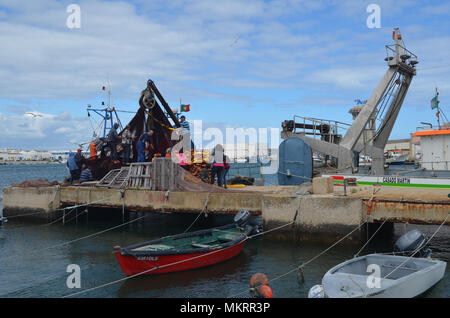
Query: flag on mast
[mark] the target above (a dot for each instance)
(185, 108)
(434, 103)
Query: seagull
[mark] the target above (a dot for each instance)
(33, 114)
(235, 41)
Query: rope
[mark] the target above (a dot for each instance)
(205, 207)
(72, 208)
(84, 237)
(150, 270)
(357, 254)
(89, 203)
(160, 123)
(174, 263)
(306, 263)
(418, 249)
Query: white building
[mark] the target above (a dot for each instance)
(435, 148)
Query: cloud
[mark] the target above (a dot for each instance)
(238, 53)
(43, 131)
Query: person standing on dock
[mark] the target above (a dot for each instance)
(74, 169)
(226, 167)
(144, 143)
(218, 166)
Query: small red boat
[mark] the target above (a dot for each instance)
(188, 250)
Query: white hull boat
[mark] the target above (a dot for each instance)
(385, 275)
(398, 277)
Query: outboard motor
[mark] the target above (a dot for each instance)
(411, 241)
(241, 218)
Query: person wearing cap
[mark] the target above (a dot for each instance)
(79, 158)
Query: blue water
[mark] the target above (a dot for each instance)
(32, 267)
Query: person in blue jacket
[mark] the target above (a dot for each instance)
(144, 143)
(74, 169)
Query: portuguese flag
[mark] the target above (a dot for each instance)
(185, 108)
(434, 103)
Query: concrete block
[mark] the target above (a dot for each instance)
(322, 185)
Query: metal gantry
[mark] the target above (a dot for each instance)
(384, 103)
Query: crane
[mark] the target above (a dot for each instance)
(384, 104)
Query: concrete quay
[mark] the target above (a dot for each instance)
(329, 214)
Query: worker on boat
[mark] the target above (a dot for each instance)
(86, 175)
(218, 158)
(184, 123)
(144, 143)
(93, 147)
(126, 144)
(113, 136)
(186, 130)
(74, 169)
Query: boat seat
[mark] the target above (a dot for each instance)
(227, 237)
(204, 245)
(155, 247)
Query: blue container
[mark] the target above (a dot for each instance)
(295, 162)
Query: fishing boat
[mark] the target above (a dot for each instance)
(188, 250)
(385, 276)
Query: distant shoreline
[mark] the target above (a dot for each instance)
(28, 162)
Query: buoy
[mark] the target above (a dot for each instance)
(265, 291)
(258, 279)
(316, 291)
(259, 287)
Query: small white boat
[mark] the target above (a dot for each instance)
(383, 275)
(3, 220)
(398, 277)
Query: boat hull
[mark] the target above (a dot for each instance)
(349, 279)
(151, 265)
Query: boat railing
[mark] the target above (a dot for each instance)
(325, 129)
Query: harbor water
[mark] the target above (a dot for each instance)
(34, 258)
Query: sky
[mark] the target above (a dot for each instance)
(237, 63)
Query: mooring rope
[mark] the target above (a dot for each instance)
(182, 261)
(79, 239)
(61, 209)
(298, 268)
(205, 208)
(167, 265)
(367, 242)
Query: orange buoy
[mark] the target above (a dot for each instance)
(259, 286)
(265, 291)
(258, 279)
